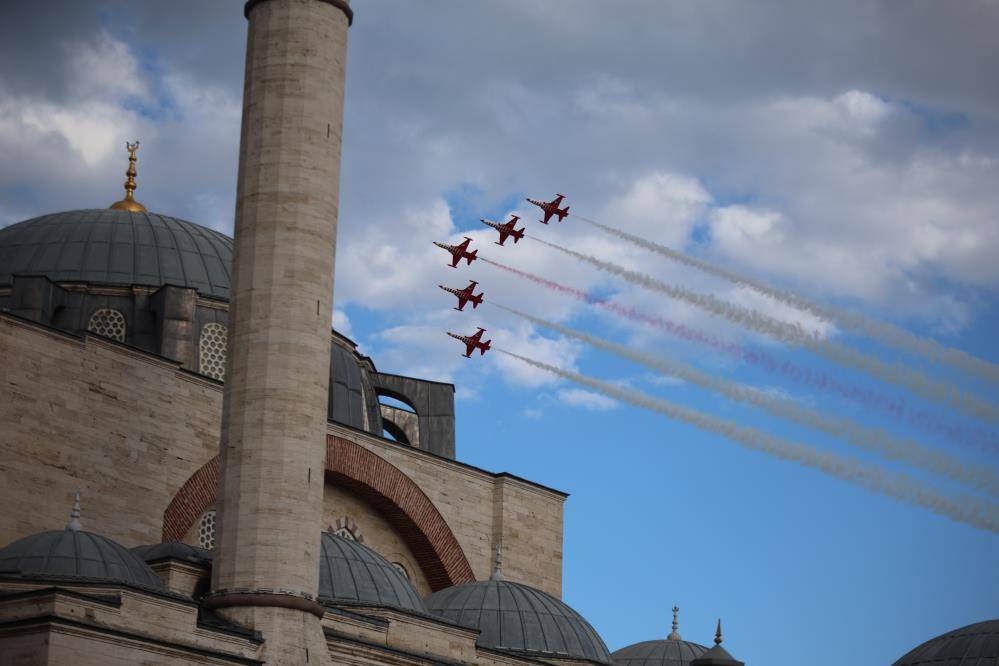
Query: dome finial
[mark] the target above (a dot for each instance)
(74, 515)
(675, 634)
(718, 636)
(129, 203)
(498, 568)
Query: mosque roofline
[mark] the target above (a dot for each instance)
(419, 379)
(52, 618)
(346, 638)
(86, 335)
(178, 367)
(153, 288)
(113, 600)
(407, 447)
(90, 581)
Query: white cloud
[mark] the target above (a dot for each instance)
(660, 206)
(594, 402)
(341, 322)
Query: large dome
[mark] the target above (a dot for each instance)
(350, 573)
(78, 555)
(118, 247)
(974, 645)
(659, 653)
(519, 618)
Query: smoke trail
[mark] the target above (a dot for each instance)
(969, 510)
(892, 448)
(793, 334)
(817, 380)
(885, 333)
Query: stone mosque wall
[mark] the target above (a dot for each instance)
(129, 428)
(124, 426)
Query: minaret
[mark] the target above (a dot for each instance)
(266, 569)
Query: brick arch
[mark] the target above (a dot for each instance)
(405, 506)
(197, 493)
(383, 485)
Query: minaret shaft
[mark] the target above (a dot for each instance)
(265, 572)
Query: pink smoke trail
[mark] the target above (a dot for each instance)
(815, 379)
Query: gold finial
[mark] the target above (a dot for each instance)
(718, 638)
(675, 634)
(129, 203)
(74, 515)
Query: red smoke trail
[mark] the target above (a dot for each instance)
(897, 408)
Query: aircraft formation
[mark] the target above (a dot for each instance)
(461, 251)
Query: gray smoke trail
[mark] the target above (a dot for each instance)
(890, 447)
(793, 334)
(969, 510)
(883, 332)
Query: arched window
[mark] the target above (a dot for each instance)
(109, 323)
(401, 569)
(211, 350)
(206, 530)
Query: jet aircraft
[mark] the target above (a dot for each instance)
(459, 252)
(473, 342)
(551, 208)
(466, 295)
(506, 229)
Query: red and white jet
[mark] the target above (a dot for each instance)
(506, 229)
(551, 208)
(459, 252)
(466, 295)
(473, 342)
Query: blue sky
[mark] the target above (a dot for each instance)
(825, 150)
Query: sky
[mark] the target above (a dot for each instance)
(847, 152)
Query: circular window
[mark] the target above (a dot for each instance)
(206, 530)
(211, 350)
(108, 323)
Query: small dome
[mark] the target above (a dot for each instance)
(77, 554)
(177, 550)
(974, 645)
(659, 653)
(118, 247)
(354, 574)
(519, 618)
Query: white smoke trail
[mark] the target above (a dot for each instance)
(793, 334)
(881, 442)
(883, 332)
(969, 510)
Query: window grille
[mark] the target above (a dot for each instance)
(211, 350)
(206, 530)
(108, 323)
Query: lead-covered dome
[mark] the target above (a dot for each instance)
(518, 618)
(666, 652)
(118, 247)
(351, 573)
(974, 645)
(76, 554)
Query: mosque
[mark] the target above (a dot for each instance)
(197, 470)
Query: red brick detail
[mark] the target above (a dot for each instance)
(196, 495)
(406, 508)
(381, 484)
